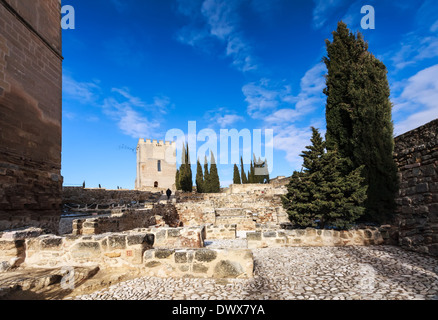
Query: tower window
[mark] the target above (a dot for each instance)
(159, 165)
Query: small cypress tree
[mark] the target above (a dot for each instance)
(322, 194)
(199, 178)
(215, 185)
(177, 183)
(242, 172)
(251, 174)
(236, 176)
(207, 180)
(83, 184)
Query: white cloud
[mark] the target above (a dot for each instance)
(280, 109)
(217, 19)
(323, 10)
(84, 92)
(130, 121)
(223, 117)
(275, 103)
(418, 99)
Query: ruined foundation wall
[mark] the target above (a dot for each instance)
(82, 196)
(30, 114)
(416, 155)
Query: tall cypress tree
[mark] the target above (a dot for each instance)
(177, 183)
(199, 178)
(215, 185)
(236, 175)
(207, 180)
(185, 173)
(242, 172)
(358, 114)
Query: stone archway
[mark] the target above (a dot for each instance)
(156, 184)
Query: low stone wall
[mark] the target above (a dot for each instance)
(201, 263)
(127, 221)
(190, 237)
(314, 238)
(196, 213)
(226, 231)
(50, 251)
(159, 214)
(81, 196)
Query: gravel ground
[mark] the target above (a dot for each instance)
(312, 273)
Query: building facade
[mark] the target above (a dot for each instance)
(156, 165)
(30, 113)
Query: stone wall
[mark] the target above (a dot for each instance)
(416, 155)
(159, 214)
(314, 238)
(188, 237)
(30, 114)
(244, 205)
(104, 197)
(51, 251)
(225, 231)
(201, 263)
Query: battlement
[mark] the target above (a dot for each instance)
(156, 142)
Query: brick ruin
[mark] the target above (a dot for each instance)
(30, 113)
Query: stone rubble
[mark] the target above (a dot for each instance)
(299, 273)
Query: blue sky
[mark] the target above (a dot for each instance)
(136, 69)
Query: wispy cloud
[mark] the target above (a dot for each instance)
(223, 117)
(275, 103)
(84, 92)
(130, 121)
(281, 111)
(217, 19)
(419, 99)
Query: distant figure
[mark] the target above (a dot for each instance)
(168, 193)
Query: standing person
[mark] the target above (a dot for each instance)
(169, 193)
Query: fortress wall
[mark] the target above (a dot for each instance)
(30, 114)
(416, 155)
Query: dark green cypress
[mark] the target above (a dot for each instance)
(185, 174)
(177, 183)
(236, 175)
(359, 121)
(215, 185)
(207, 180)
(199, 178)
(242, 172)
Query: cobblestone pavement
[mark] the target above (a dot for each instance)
(313, 273)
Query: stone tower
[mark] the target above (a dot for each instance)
(156, 165)
(30, 114)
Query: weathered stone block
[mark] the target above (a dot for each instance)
(51, 243)
(117, 242)
(228, 269)
(200, 268)
(256, 236)
(205, 255)
(181, 257)
(86, 250)
(163, 253)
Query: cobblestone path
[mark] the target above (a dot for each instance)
(313, 273)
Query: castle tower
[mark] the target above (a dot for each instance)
(156, 165)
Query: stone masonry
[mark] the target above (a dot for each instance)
(30, 113)
(416, 154)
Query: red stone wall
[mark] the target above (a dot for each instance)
(30, 113)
